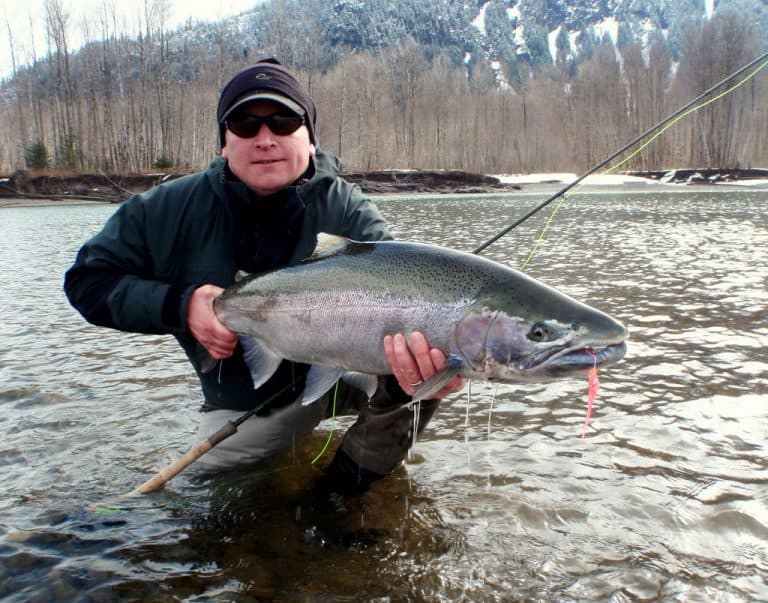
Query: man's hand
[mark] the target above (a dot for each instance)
(413, 362)
(205, 327)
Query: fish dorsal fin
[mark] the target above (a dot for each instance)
(328, 244)
(241, 275)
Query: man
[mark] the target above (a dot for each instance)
(163, 257)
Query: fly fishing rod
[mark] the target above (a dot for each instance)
(230, 428)
(199, 449)
(607, 160)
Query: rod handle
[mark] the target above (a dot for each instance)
(156, 482)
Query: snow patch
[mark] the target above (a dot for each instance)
(479, 21)
(552, 38)
(519, 39)
(754, 182)
(610, 26)
(566, 177)
(618, 180)
(572, 35)
(499, 74)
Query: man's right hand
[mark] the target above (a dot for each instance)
(205, 327)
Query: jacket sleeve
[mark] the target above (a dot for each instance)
(112, 283)
(363, 220)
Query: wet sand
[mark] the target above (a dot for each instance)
(32, 202)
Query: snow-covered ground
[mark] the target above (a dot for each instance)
(606, 180)
(566, 177)
(751, 183)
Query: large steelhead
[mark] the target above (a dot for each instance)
(334, 309)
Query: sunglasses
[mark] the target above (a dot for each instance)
(248, 126)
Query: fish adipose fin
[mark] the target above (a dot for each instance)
(259, 359)
(453, 366)
(320, 379)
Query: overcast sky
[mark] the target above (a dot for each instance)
(17, 14)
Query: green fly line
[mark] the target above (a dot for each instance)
(645, 145)
(333, 424)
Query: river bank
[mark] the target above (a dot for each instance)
(25, 188)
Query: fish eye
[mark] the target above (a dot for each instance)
(541, 332)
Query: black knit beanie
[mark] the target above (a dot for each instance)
(266, 80)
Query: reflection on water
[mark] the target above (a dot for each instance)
(665, 498)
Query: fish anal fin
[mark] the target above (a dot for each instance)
(363, 381)
(320, 379)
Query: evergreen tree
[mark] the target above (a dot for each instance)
(500, 32)
(538, 45)
(563, 45)
(624, 36)
(36, 156)
(69, 156)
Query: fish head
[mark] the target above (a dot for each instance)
(540, 336)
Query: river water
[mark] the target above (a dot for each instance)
(666, 498)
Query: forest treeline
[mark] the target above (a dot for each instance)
(122, 106)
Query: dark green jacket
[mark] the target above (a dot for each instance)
(139, 272)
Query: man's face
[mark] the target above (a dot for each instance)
(268, 162)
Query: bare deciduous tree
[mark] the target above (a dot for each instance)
(393, 108)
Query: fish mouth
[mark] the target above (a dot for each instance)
(568, 359)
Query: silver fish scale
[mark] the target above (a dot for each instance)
(340, 327)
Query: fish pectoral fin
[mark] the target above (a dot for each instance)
(320, 379)
(260, 360)
(363, 381)
(453, 367)
(205, 361)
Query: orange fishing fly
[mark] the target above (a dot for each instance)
(593, 389)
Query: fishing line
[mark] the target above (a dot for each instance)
(645, 145)
(333, 425)
(664, 124)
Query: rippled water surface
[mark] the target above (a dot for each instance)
(666, 498)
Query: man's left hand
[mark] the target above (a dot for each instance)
(413, 362)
